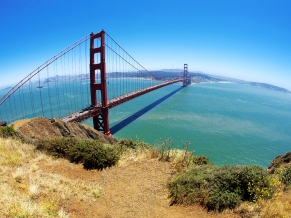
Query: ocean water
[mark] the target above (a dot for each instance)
(229, 123)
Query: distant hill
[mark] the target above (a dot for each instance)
(6, 89)
(200, 77)
(262, 85)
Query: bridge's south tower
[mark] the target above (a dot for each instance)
(101, 121)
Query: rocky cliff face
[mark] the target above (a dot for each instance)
(280, 161)
(42, 128)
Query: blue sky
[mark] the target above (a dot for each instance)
(245, 39)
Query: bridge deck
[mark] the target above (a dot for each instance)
(92, 111)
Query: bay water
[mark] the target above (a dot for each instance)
(231, 124)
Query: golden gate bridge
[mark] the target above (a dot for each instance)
(85, 80)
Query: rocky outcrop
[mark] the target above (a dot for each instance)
(3, 123)
(42, 128)
(280, 161)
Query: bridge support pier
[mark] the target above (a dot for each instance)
(101, 121)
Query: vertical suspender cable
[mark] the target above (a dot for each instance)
(49, 92)
(40, 95)
(74, 79)
(11, 110)
(15, 105)
(70, 83)
(31, 98)
(20, 102)
(82, 74)
(64, 84)
(87, 74)
(57, 90)
(7, 114)
(24, 106)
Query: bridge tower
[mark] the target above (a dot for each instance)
(101, 121)
(186, 78)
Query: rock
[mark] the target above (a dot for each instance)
(281, 160)
(42, 128)
(3, 123)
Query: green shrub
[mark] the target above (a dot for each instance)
(218, 188)
(220, 200)
(192, 186)
(7, 131)
(286, 176)
(93, 154)
(200, 160)
(125, 144)
(58, 147)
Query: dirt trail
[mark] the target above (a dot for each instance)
(135, 190)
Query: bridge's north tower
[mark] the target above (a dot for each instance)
(186, 78)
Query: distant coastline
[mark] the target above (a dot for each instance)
(196, 77)
(200, 77)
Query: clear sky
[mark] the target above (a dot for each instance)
(246, 39)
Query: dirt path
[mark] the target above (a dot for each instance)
(135, 190)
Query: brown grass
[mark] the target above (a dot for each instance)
(28, 191)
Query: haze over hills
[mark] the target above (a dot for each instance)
(200, 77)
(196, 77)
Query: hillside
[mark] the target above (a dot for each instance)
(42, 128)
(35, 184)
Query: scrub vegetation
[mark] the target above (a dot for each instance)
(247, 191)
(93, 154)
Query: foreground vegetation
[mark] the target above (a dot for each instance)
(26, 191)
(249, 191)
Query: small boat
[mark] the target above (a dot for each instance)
(39, 86)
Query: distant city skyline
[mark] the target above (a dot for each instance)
(248, 40)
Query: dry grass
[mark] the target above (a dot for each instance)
(27, 191)
(279, 206)
(136, 154)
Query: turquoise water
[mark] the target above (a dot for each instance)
(229, 123)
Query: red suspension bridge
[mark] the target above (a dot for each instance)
(66, 88)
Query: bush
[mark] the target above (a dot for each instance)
(192, 186)
(286, 176)
(218, 188)
(125, 144)
(200, 160)
(58, 147)
(7, 131)
(93, 154)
